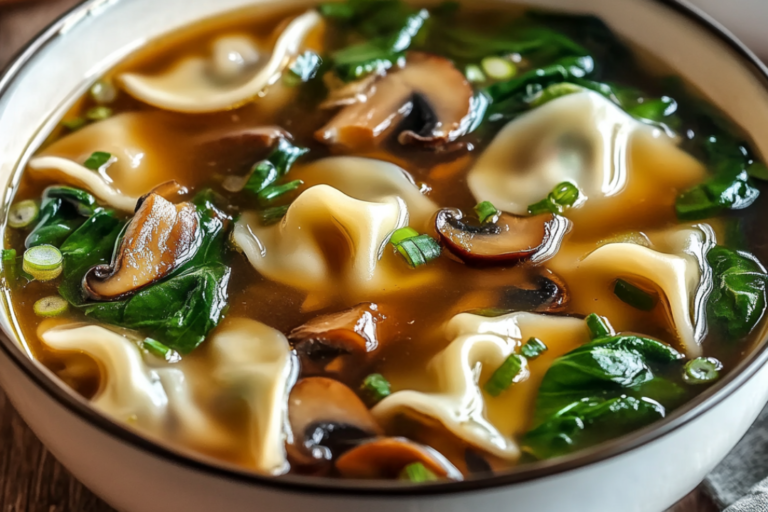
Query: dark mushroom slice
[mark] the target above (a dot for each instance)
(166, 190)
(261, 136)
(547, 293)
(327, 419)
(427, 84)
(350, 332)
(511, 239)
(385, 458)
(161, 237)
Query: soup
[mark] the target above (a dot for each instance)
(375, 240)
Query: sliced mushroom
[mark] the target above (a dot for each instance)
(231, 76)
(165, 190)
(547, 293)
(350, 332)
(512, 239)
(428, 85)
(386, 458)
(327, 419)
(160, 237)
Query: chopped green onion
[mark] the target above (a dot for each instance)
(504, 375)
(270, 216)
(98, 113)
(272, 192)
(402, 234)
(487, 212)
(43, 262)
(375, 388)
(702, 370)
(634, 296)
(553, 92)
(23, 213)
(156, 348)
(533, 348)
(474, 74)
(54, 305)
(498, 68)
(97, 159)
(417, 473)
(563, 196)
(304, 68)
(599, 327)
(74, 124)
(103, 92)
(9, 255)
(419, 250)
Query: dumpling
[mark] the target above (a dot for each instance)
(615, 160)
(258, 362)
(155, 400)
(479, 346)
(335, 239)
(236, 72)
(139, 143)
(675, 264)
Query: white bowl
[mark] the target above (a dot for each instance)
(646, 471)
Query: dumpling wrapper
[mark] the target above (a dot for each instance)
(155, 400)
(479, 346)
(583, 138)
(676, 265)
(257, 360)
(335, 239)
(198, 85)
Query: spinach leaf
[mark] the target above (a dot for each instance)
(62, 210)
(91, 244)
(600, 390)
(738, 299)
(589, 421)
(731, 189)
(275, 166)
(181, 310)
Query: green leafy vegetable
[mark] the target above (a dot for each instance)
(272, 192)
(599, 327)
(702, 370)
(275, 166)
(553, 92)
(269, 216)
(97, 159)
(562, 197)
(634, 296)
(375, 388)
(533, 348)
(738, 298)
(729, 190)
(504, 375)
(62, 210)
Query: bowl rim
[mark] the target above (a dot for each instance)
(685, 414)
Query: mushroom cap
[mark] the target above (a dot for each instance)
(511, 239)
(221, 82)
(428, 83)
(326, 418)
(160, 238)
(385, 459)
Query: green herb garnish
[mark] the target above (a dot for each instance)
(417, 473)
(634, 296)
(98, 113)
(156, 348)
(375, 388)
(563, 196)
(533, 348)
(269, 216)
(504, 375)
(97, 160)
(272, 192)
(599, 327)
(486, 211)
(416, 249)
(702, 370)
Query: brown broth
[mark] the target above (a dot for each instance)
(413, 317)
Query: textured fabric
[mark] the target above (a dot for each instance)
(736, 482)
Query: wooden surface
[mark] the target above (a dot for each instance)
(31, 480)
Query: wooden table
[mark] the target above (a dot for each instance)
(31, 480)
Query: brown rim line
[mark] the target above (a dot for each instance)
(383, 490)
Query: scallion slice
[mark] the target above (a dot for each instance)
(98, 113)
(417, 473)
(54, 305)
(272, 192)
(487, 212)
(23, 213)
(103, 92)
(554, 91)
(402, 234)
(43, 262)
(599, 326)
(498, 68)
(97, 159)
(155, 347)
(419, 250)
(504, 375)
(533, 348)
(375, 388)
(702, 370)
(563, 196)
(474, 74)
(74, 123)
(634, 296)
